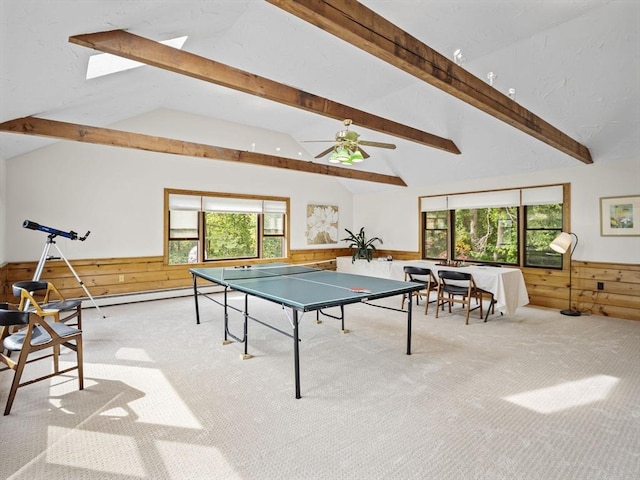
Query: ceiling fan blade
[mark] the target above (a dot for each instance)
(322, 154)
(377, 144)
(364, 154)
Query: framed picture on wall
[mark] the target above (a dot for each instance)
(620, 216)
(322, 224)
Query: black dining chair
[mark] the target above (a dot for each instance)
(424, 276)
(458, 287)
(46, 300)
(27, 333)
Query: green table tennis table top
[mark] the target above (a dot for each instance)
(305, 288)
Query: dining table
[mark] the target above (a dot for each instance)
(505, 283)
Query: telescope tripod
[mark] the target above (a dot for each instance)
(45, 256)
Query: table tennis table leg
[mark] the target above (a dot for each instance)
(296, 352)
(245, 332)
(195, 296)
(409, 325)
(226, 340)
(341, 317)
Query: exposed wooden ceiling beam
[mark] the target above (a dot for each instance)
(118, 138)
(360, 26)
(140, 49)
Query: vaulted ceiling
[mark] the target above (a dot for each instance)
(574, 67)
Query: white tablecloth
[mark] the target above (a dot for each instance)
(506, 284)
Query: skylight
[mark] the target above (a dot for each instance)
(106, 64)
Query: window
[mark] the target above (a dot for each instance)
(105, 63)
(436, 234)
(510, 227)
(486, 235)
(205, 227)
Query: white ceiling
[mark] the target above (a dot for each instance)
(574, 63)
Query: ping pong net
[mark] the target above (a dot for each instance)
(251, 272)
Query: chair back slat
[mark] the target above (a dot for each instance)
(9, 318)
(454, 275)
(29, 286)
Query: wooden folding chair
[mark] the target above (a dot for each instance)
(36, 334)
(424, 276)
(42, 296)
(455, 284)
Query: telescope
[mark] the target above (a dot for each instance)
(54, 231)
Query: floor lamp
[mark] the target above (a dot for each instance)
(562, 244)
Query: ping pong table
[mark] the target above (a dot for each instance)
(300, 289)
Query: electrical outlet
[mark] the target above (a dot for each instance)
(600, 285)
(121, 278)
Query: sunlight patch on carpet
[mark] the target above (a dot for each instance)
(185, 460)
(85, 449)
(566, 395)
(146, 395)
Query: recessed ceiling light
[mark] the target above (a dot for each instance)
(457, 57)
(106, 64)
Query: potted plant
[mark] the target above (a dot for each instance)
(361, 247)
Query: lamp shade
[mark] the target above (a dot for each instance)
(357, 156)
(342, 155)
(333, 158)
(561, 243)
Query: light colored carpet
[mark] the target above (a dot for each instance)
(534, 395)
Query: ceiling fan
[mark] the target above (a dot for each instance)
(346, 148)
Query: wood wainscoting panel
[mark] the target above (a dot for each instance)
(118, 276)
(4, 292)
(619, 297)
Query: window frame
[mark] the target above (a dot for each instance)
(454, 239)
(200, 241)
(522, 229)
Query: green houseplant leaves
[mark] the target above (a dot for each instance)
(360, 246)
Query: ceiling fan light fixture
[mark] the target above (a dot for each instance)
(342, 156)
(346, 147)
(333, 158)
(356, 157)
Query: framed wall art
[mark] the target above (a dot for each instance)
(620, 216)
(322, 224)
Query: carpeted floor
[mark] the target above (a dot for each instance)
(534, 395)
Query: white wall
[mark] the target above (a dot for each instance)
(117, 193)
(394, 215)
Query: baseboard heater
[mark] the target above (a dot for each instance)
(134, 297)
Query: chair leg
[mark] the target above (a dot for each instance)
(15, 384)
(491, 308)
(79, 359)
(467, 303)
(79, 317)
(426, 303)
(56, 358)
